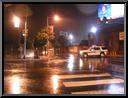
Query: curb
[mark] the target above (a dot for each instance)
(23, 59)
(120, 56)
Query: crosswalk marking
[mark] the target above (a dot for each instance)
(83, 76)
(96, 82)
(92, 83)
(118, 91)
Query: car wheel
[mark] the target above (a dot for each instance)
(85, 55)
(102, 54)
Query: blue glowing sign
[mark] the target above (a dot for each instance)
(104, 10)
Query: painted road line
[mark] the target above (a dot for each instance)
(96, 82)
(83, 76)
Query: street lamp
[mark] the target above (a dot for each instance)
(93, 31)
(55, 18)
(71, 37)
(25, 38)
(17, 25)
(16, 20)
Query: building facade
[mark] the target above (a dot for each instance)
(112, 36)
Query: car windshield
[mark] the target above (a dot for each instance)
(97, 48)
(104, 48)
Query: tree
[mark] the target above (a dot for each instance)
(60, 42)
(29, 44)
(41, 39)
(63, 41)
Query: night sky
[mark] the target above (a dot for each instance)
(75, 18)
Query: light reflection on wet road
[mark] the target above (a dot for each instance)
(36, 77)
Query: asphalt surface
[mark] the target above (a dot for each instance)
(66, 75)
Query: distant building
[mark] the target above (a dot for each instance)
(74, 49)
(83, 44)
(63, 33)
(112, 36)
(110, 24)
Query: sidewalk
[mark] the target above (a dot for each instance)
(118, 60)
(115, 56)
(116, 63)
(116, 66)
(12, 58)
(44, 58)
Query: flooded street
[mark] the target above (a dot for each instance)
(67, 75)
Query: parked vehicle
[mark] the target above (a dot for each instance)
(94, 51)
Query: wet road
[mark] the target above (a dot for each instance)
(68, 75)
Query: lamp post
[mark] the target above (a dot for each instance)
(16, 21)
(17, 25)
(25, 38)
(93, 31)
(55, 18)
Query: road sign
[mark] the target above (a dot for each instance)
(121, 35)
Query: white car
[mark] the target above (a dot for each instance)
(94, 51)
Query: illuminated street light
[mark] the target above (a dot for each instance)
(71, 37)
(16, 21)
(17, 25)
(93, 29)
(56, 18)
(93, 34)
